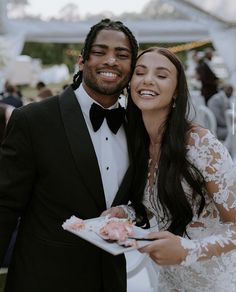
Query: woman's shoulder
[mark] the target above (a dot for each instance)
(198, 133)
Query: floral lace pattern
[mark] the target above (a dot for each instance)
(210, 264)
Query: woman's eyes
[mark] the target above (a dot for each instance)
(159, 76)
(139, 73)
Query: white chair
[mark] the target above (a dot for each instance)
(196, 99)
(140, 273)
(206, 118)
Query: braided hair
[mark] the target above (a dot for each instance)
(108, 25)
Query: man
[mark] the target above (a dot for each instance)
(43, 91)
(56, 162)
(11, 96)
(206, 75)
(219, 103)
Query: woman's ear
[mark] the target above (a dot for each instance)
(175, 94)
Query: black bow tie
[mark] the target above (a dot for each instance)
(114, 117)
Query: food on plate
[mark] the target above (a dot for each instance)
(115, 229)
(118, 230)
(74, 223)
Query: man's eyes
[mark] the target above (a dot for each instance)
(123, 56)
(118, 56)
(98, 53)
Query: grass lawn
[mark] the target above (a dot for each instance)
(2, 281)
(30, 93)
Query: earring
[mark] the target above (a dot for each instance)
(174, 104)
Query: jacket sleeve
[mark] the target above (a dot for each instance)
(16, 175)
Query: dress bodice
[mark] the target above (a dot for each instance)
(213, 233)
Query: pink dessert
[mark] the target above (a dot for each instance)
(117, 229)
(74, 223)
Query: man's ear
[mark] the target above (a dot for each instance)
(80, 62)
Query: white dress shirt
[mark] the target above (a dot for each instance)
(111, 150)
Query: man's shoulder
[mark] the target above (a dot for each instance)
(34, 109)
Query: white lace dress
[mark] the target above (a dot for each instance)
(213, 234)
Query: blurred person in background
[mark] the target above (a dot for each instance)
(206, 75)
(219, 103)
(11, 96)
(43, 91)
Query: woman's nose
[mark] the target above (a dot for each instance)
(148, 79)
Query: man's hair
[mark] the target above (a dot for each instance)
(108, 25)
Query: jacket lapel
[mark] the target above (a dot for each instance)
(123, 194)
(81, 145)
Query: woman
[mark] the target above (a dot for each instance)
(188, 180)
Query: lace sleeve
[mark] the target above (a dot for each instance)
(219, 172)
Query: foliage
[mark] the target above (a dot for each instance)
(51, 53)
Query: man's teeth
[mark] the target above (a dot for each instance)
(108, 74)
(147, 92)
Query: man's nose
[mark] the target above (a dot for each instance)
(111, 61)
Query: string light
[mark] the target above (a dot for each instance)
(188, 46)
(174, 49)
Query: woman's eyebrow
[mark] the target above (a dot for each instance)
(157, 68)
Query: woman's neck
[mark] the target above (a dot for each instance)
(153, 122)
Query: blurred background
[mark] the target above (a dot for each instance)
(40, 40)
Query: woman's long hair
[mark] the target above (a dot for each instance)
(173, 165)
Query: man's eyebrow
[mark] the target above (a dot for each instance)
(122, 49)
(101, 46)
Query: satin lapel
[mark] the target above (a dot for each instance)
(81, 145)
(123, 193)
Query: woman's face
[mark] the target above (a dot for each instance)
(154, 82)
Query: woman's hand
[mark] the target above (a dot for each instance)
(166, 249)
(117, 212)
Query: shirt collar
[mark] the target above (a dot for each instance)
(86, 101)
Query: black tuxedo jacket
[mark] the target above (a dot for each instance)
(48, 172)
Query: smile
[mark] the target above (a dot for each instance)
(148, 93)
(108, 74)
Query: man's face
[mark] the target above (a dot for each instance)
(108, 69)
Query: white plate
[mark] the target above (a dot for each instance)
(89, 234)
